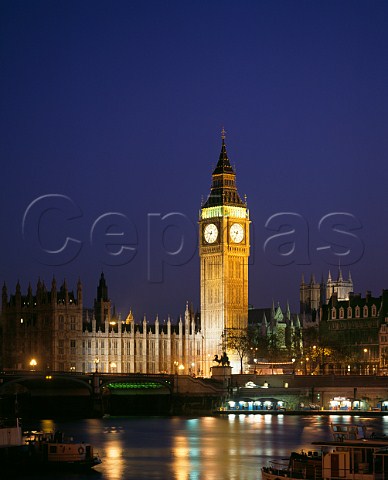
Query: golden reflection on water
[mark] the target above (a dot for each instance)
(215, 449)
(231, 447)
(113, 465)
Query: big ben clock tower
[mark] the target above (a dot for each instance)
(224, 251)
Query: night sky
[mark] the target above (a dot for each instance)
(111, 116)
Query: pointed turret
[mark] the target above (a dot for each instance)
(53, 291)
(18, 295)
(65, 291)
(264, 326)
(288, 311)
(4, 296)
(102, 289)
(79, 292)
(340, 278)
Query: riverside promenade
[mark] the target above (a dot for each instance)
(305, 394)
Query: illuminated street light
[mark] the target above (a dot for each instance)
(176, 367)
(33, 363)
(366, 366)
(96, 362)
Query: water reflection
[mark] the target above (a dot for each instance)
(114, 460)
(233, 447)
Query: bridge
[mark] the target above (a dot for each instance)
(80, 393)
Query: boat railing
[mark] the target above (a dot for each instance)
(342, 432)
(277, 467)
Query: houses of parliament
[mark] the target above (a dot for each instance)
(52, 328)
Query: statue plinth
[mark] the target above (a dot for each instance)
(221, 373)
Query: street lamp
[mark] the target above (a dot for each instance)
(33, 364)
(305, 365)
(366, 366)
(96, 362)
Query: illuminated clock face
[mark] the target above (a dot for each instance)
(236, 233)
(210, 233)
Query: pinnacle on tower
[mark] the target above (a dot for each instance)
(340, 278)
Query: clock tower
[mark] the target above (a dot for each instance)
(224, 251)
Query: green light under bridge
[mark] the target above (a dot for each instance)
(135, 385)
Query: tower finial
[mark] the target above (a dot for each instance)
(223, 134)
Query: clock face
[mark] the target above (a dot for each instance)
(210, 233)
(236, 233)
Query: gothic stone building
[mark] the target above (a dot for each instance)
(49, 328)
(313, 295)
(284, 326)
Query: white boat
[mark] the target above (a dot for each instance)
(351, 455)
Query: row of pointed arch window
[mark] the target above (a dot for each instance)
(357, 312)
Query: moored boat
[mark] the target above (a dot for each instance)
(351, 455)
(54, 450)
(43, 451)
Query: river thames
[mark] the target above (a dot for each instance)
(180, 448)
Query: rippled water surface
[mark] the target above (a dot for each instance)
(230, 447)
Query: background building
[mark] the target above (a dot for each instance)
(354, 328)
(48, 331)
(281, 330)
(313, 295)
(41, 330)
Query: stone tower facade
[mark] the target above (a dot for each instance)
(42, 327)
(224, 251)
(313, 295)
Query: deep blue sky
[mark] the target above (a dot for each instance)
(118, 107)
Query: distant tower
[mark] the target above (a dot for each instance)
(224, 251)
(311, 295)
(340, 286)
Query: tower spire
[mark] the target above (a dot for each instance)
(223, 190)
